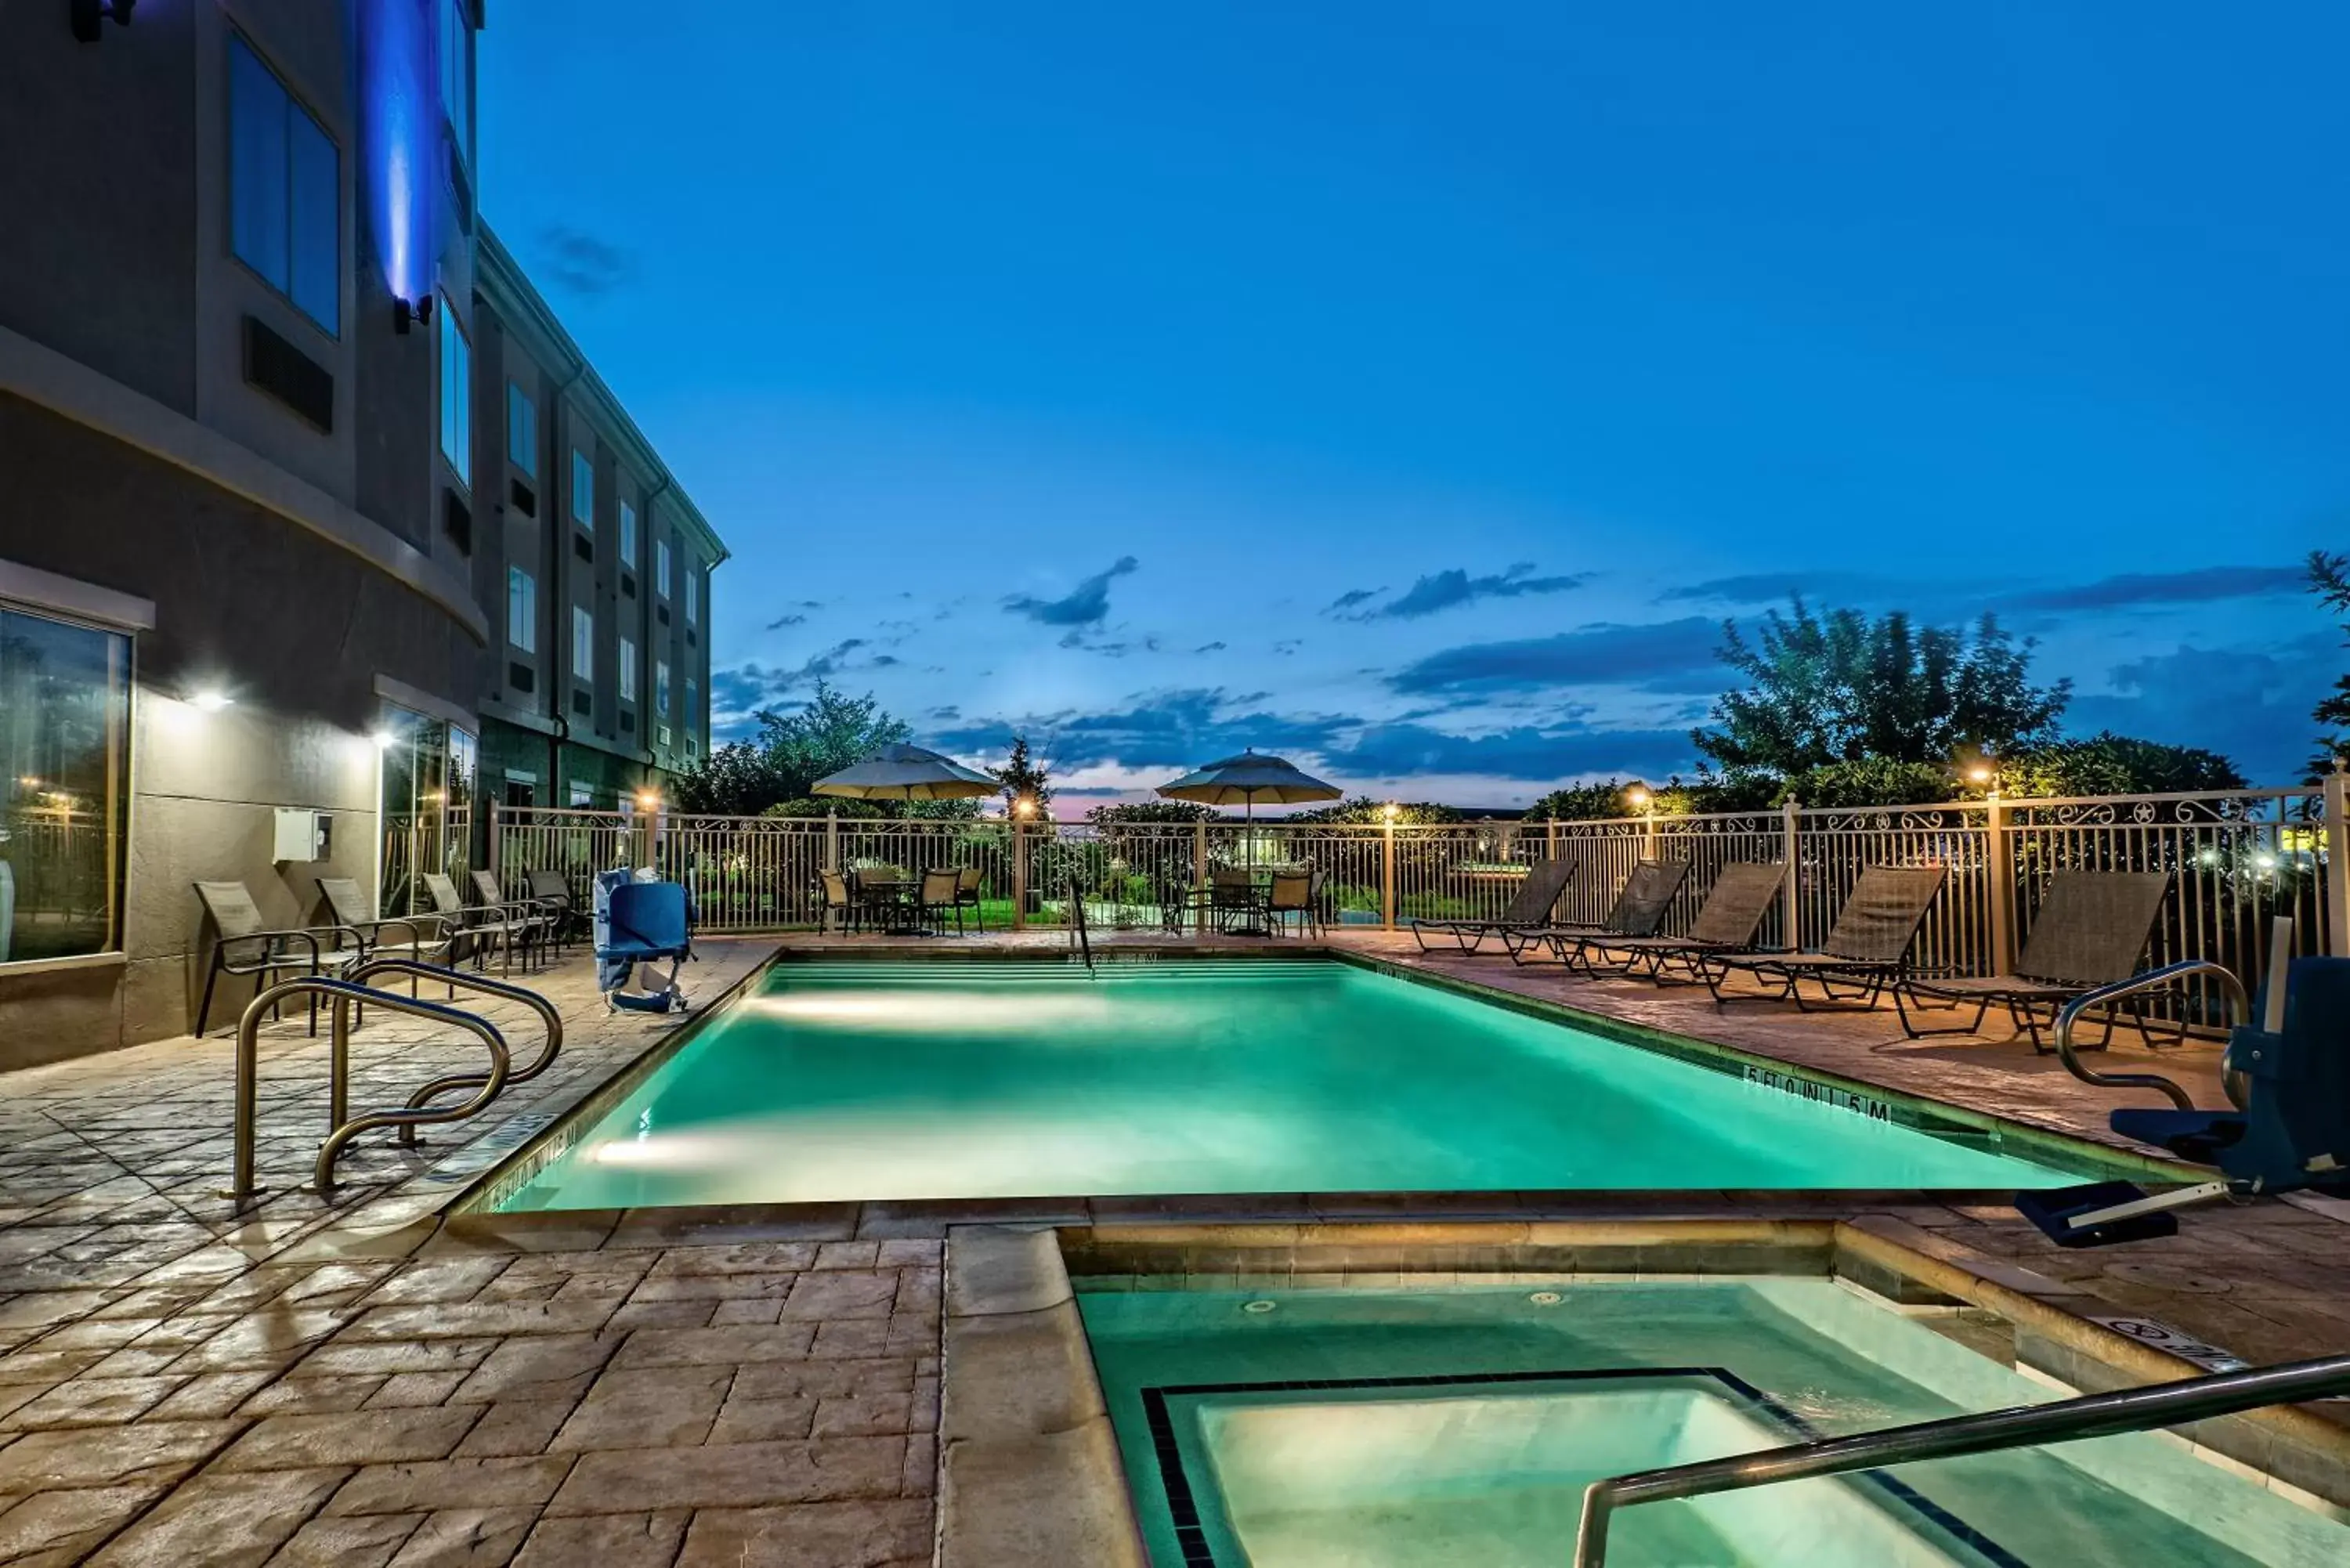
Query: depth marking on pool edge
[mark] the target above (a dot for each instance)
(1192, 1535)
(1803, 1088)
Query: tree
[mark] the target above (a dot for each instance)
(827, 735)
(736, 779)
(1147, 812)
(1023, 779)
(1585, 802)
(2329, 579)
(1845, 686)
(2108, 763)
(1364, 809)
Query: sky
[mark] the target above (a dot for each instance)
(1414, 389)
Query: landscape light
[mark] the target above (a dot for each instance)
(1391, 811)
(1639, 796)
(1024, 806)
(1980, 774)
(647, 801)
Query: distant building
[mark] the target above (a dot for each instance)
(261, 368)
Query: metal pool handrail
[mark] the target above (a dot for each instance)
(1079, 936)
(248, 1066)
(443, 1085)
(2027, 1425)
(2150, 980)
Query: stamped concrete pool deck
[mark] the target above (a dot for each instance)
(361, 1382)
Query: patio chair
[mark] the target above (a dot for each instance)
(488, 925)
(966, 897)
(1292, 893)
(532, 907)
(840, 902)
(1640, 909)
(1726, 922)
(2293, 1131)
(934, 900)
(2092, 930)
(248, 945)
(1232, 897)
(1866, 950)
(1529, 907)
(553, 888)
(428, 939)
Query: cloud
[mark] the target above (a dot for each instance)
(2204, 587)
(737, 693)
(579, 262)
(1288, 645)
(2250, 704)
(1108, 650)
(1453, 587)
(1675, 656)
(1210, 647)
(782, 621)
(1351, 598)
(1180, 727)
(1777, 587)
(1087, 605)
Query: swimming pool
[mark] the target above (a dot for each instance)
(1428, 1427)
(883, 1080)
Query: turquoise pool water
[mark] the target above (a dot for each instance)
(1457, 1428)
(881, 1080)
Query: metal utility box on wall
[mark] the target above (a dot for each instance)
(303, 835)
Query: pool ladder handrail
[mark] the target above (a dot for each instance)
(1080, 935)
(2025, 1425)
(551, 1047)
(241, 1185)
(2240, 1010)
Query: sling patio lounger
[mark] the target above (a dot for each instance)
(1726, 922)
(1640, 909)
(1866, 950)
(248, 946)
(1529, 907)
(487, 925)
(2092, 930)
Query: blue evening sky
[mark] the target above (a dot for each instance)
(1413, 388)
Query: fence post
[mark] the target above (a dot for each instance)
(1550, 838)
(1199, 876)
(497, 843)
(1648, 832)
(1019, 874)
(2337, 859)
(1387, 874)
(832, 839)
(1790, 891)
(1999, 872)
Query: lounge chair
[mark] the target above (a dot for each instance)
(1294, 893)
(2092, 930)
(934, 900)
(553, 888)
(1734, 910)
(1529, 907)
(839, 903)
(488, 925)
(2292, 1133)
(546, 915)
(1640, 909)
(248, 945)
(1233, 900)
(1866, 950)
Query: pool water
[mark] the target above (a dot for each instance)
(879, 1080)
(1381, 1428)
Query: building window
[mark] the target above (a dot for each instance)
(692, 714)
(522, 610)
(522, 430)
(457, 74)
(65, 690)
(693, 595)
(660, 687)
(284, 190)
(456, 396)
(583, 645)
(582, 795)
(660, 569)
(628, 535)
(583, 490)
(627, 670)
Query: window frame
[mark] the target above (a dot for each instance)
(525, 457)
(628, 669)
(628, 533)
(583, 637)
(123, 727)
(693, 595)
(660, 687)
(661, 560)
(295, 103)
(453, 330)
(583, 487)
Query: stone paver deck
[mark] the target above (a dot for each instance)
(183, 1382)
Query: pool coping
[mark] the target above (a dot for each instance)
(560, 1128)
(1018, 1377)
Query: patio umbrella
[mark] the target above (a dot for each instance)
(1246, 779)
(906, 772)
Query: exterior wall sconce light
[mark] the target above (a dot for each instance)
(89, 16)
(210, 700)
(406, 312)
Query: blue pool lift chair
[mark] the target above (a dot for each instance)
(640, 922)
(2292, 1133)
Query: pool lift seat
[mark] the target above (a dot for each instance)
(2289, 1075)
(639, 921)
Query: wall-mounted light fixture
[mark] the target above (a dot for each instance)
(89, 16)
(406, 312)
(211, 700)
